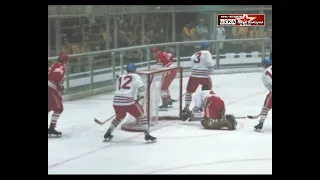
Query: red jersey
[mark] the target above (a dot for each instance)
(56, 75)
(164, 59)
(214, 107)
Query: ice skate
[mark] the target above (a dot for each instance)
(258, 127)
(52, 131)
(164, 106)
(107, 136)
(148, 138)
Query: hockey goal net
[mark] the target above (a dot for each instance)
(153, 81)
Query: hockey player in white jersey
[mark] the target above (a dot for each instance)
(214, 111)
(267, 81)
(201, 69)
(129, 90)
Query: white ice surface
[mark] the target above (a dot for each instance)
(182, 148)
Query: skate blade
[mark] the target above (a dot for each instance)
(150, 141)
(107, 140)
(257, 130)
(54, 136)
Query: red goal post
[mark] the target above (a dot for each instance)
(152, 80)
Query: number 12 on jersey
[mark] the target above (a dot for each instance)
(124, 83)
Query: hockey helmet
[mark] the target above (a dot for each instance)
(131, 67)
(63, 58)
(204, 45)
(267, 62)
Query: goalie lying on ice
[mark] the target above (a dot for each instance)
(214, 111)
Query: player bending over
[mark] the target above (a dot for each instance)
(165, 59)
(130, 90)
(55, 87)
(214, 111)
(201, 68)
(267, 105)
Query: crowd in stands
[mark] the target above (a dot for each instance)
(82, 35)
(200, 31)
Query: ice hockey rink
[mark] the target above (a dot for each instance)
(181, 147)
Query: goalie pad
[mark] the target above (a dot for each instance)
(228, 123)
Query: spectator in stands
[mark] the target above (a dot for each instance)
(157, 23)
(220, 35)
(202, 31)
(152, 37)
(255, 33)
(75, 48)
(158, 38)
(66, 46)
(122, 39)
(130, 39)
(125, 27)
(252, 46)
(89, 34)
(240, 33)
(76, 36)
(162, 35)
(146, 38)
(188, 34)
(85, 48)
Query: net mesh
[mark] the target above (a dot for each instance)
(152, 81)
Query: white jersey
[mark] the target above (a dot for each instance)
(200, 99)
(201, 64)
(267, 78)
(128, 87)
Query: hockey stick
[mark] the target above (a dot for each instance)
(201, 118)
(241, 117)
(253, 117)
(103, 122)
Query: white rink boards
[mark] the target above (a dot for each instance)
(182, 148)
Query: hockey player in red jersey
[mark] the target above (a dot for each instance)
(165, 59)
(201, 69)
(55, 86)
(267, 105)
(213, 108)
